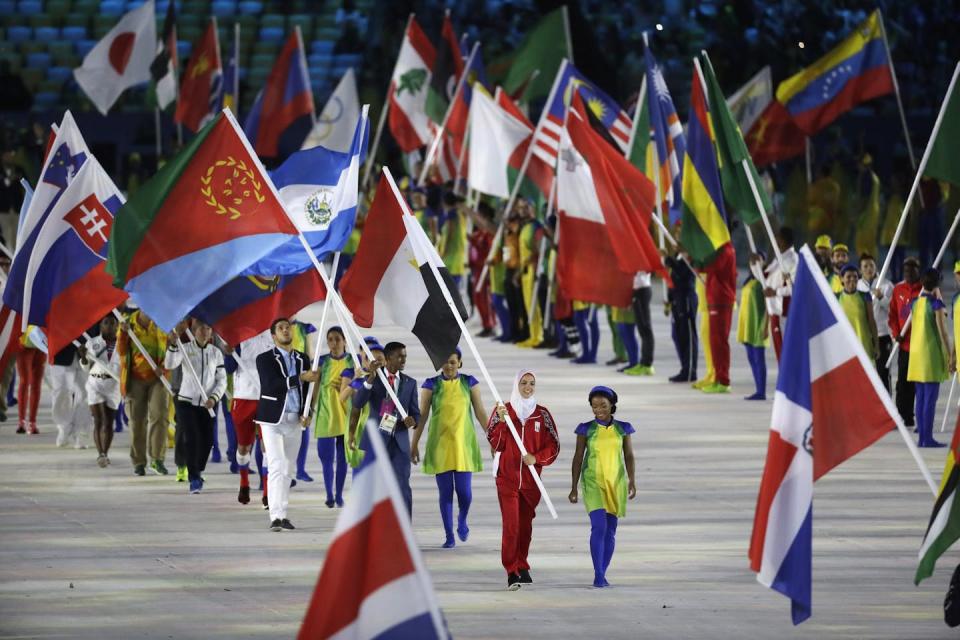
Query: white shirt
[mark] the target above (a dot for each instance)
(97, 357)
(776, 280)
(641, 280)
(881, 305)
(246, 381)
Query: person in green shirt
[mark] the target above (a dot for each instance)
(752, 330)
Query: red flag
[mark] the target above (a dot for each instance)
(200, 81)
(774, 136)
(409, 86)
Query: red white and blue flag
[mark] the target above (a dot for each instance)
(667, 134)
(66, 155)
(283, 101)
(829, 405)
(373, 566)
(67, 287)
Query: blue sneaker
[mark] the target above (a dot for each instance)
(195, 486)
(304, 476)
(216, 456)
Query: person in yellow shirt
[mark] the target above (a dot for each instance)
(868, 211)
(839, 257)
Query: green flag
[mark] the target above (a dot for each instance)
(731, 151)
(638, 155)
(942, 163)
(541, 52)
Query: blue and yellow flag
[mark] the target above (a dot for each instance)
(704, 223)
(856, 70)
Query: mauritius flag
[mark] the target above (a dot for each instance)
(206, 216)
(704, 228)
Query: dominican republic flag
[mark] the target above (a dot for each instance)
(283, 101)
(547, 138)
(121, 59)
(318, 188)
(66, 155)
(374, 567)
(390, 280)
(200, 87)
(409, 86)
(667, 134)
(246, 305)
(829, 405)
(67, 288)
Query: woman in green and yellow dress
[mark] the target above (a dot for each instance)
(330, 416)
(451, 401)
(603, 465)
(858, 307)
(931, 356)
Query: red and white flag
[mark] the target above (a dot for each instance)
(373, 583)
(409, 85)
(121, 59)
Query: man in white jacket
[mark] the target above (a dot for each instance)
(204, 383)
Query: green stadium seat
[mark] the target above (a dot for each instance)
(47, 34)
(32, 77)
(57, 8)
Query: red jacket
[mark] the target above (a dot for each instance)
(722, 277)
(480, 242)
(903, 296)
(539, 436)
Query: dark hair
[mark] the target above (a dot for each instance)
(336, 329)
(786, 234)
(609, 394)
(485, 210)
(847, 268)
(393, 347)
(273, 325)
(931, 278)
(866, 256)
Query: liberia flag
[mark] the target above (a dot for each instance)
(373, 565)
(390, 280)
(829, 405)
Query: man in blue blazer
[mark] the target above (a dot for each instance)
(384, 417)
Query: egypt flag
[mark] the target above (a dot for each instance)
(207, 215)
(944, 527)
(201, 83)
(121, 59)
(409, 86)
(390, 280)
(830, 407)
(373, 565)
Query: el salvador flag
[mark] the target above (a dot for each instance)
(318, 187)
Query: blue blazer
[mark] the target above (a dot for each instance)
(406, 393)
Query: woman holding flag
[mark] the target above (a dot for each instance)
(330, 421)
(516, 490)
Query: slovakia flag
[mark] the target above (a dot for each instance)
(373, 566)
(68, 287)
(829, 405)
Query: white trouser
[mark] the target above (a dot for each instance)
(282, 443)
(70, 412)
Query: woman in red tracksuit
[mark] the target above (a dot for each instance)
(516, 489)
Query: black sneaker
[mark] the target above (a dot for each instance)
(513, 582)
(276, 525)
(244, 496)
(140, 470)
(266, 503)
(525, 577)
(286, 524)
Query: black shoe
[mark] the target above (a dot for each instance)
(140, 470)
(682, 377)
(330, 504)
(266, 503)
(513, 582)
(276, 525)
(286, 524)
(486, 333)
(244, 496)
(525, 577)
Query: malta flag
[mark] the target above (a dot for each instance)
(374, 567)
(201, 83)
(830, 407)
(68, 289)
(409, 87)
(495, 136)
(121, 59)
(390, 280)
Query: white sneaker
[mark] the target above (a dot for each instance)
(61, 438)
(79, 444)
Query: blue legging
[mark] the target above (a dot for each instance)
(326, 448)
(503, 315)
(447, 483)
(589, 328)
(926, 408)
(756, 356)
(628, 335)
(302, 453)
(603, 538)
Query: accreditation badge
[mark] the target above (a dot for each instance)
(388, 423)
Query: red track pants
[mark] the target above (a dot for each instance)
(517, 510)
(720, 317)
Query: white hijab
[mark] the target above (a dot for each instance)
(523, 407)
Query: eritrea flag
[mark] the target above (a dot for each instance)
(207, 215)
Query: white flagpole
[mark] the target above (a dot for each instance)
(473, 349)
(323, 325)
(438, 136)
(946, 409)
(916, 179)
(383, 115)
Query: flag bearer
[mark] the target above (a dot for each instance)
(931, 356)
(100, 356)
(330, 417)
(603, 465)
